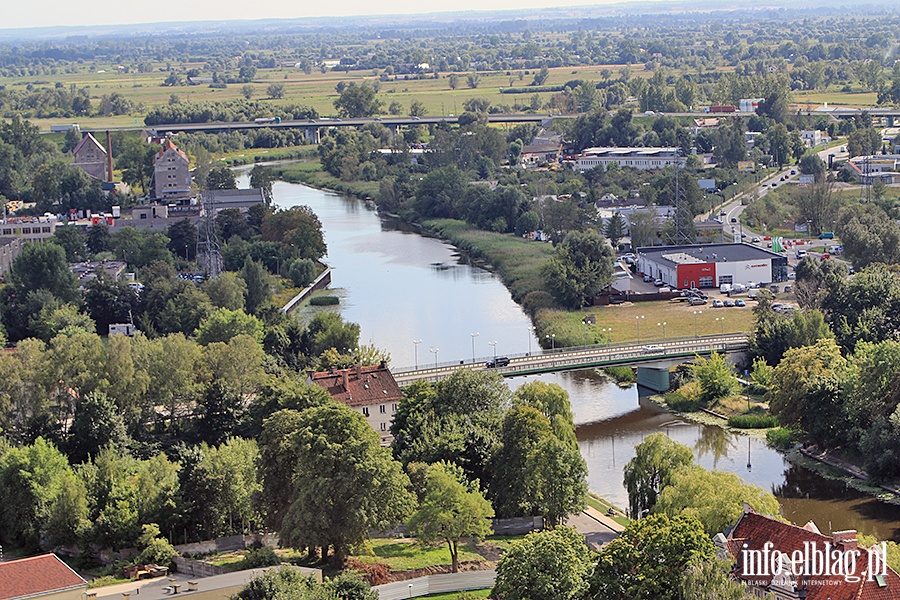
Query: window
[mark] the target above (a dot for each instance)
(26, 230)
(365, 410)
(706, 281)
(143, 215)
(393, 408)
(384, 426)
(382, 409)
(726, 279)
(45, 230)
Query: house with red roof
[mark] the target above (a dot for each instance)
(372, 391)
(171, 172)
(43, 577)
(786, 562)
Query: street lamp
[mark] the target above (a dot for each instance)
(435, 351)
(663, 325)
(416, 346)
(552, 338)
(530, 335)
(474, 335)
(696, 312)
(639, 319)
(722, 320)
(607, 333)
(494, 344)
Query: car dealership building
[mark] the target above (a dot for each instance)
(712, 265)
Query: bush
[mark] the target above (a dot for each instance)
(301, 272)
(751, 421)
(622, 375)
(535, 301)
(780, 438)
(677, 401)
(260, 557)
(324, 301)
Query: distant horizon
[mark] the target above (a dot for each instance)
(106, 14)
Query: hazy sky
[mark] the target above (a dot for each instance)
(42, 13)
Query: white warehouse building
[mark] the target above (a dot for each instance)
(645, 159)
(712, 265)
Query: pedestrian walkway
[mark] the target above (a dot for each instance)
(604, 520)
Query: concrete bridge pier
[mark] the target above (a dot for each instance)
(312, 135)
(654, 378)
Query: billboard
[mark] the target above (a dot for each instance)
(746, 166)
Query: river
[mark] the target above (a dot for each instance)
(403, 287)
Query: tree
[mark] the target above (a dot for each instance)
(651, 470)
(98, 423)
(644, 229)
(581, 267)
(560, 474)
(221, 178)
(473, 80)
(818, 205)
(417, 108)
(545, 565)
(221, 325)
(345, 482)
(247, 91)
(228, 476)
(527, 222)
(811, 164)
(155, 549)
(302, 272)
(615, 229)
(261, 178)
(715, 498)
(357, 101)
(259, 287)
(44, 267)
(710, 580)
(72, 239)
(279, 584)
(715, 377)
(450, 512)
(275, 90)
(226, 291)
(182, 239)
(298, 227)
(648, 559)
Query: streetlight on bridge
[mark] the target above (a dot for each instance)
(530, 335)
(435, 351)
(552, 338)
(665, 334)
(721, 320)
(639, 319)
(474, 335)
(607, 333)
(494, 344)
(696, 312)
(416, 346)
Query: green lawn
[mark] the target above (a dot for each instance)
(470, 595)
(405, 553)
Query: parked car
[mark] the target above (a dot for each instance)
(718, 304)
(793, 171)
(755, 240)
(659, 283)
(733, 220)
(647, 279)
(792, 276)
(740, 303)
(728, 303)
(500, 361)
(665, 289)
(696, 301)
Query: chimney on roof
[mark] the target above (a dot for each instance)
(346, 378)
(358, 368)
(846, 538)
(109, 161)
(382, 365)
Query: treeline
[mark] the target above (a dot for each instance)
(225, 111)
(47, 103)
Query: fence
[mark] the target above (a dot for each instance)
(436, 584)
(228, 544)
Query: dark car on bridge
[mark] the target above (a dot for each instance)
(500, 361)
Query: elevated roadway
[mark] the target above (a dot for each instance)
(659, 354)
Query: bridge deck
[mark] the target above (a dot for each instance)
(586, 357)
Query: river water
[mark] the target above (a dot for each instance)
(402, 287)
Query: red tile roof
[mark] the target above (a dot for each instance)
(36, 576)
(754, 531)
(169, 144)
(359, 386)
(88, 138)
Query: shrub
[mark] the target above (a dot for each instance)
(751, 421)
(260, 557)
(324, 301)
(677, 401)
(780, 438)
(622, 375)
(535, 301)
(301, 272)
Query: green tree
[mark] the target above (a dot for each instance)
(182, 239)
(715, 498)
(581, 267)
(98, 423)
(345, 483)
(261, 178)
(450, 512)
(651, 470)
(527, 222)
(357, 101)
(222, 325)
(811, 164)
(545, 565)
(73, 241)
(221, 178)
(302, 272)
(259, 287)
(228, 475)
(327, 330)
(615, 229)
(417, 108)
(155, 549)
(710, 580)
(279, 457)
(715, 377)
(108, 302)
(818, 205)
(647, 561)
(226, 291)
(279, 584)
(275, 90)
(44, 267)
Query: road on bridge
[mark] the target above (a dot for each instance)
(584, 357)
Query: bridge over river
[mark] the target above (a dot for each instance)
(653, 359)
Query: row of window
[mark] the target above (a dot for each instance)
(26, 231)
(381, 409)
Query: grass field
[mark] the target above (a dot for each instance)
(641, 322)
(470, 595)
(405, 553)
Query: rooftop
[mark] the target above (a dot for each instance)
(359, 386)
(37, 576)
(618, 151)
(679, 255)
